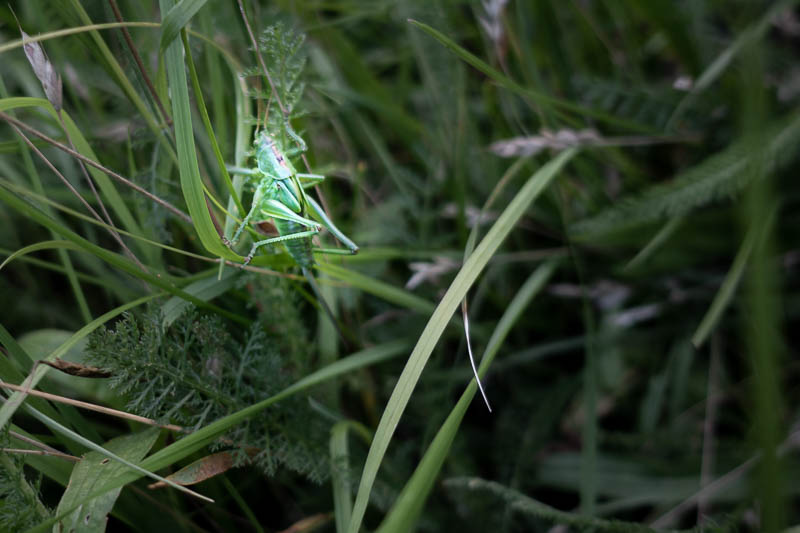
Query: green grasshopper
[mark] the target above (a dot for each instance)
(280, 195)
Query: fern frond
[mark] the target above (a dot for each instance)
(721, 175)
(285, 58)
(194, 372)
(652, 107)
(20, 506)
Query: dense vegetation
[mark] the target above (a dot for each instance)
(612, 185)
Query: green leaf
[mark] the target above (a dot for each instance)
(114, 259)
(378, 288)
(44, 245)
(204, 289)
(177, 18)
(439, 320)
(94, 469)
(191, 182)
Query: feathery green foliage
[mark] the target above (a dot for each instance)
(20, 507)
(194, 373)
(720, 176)
(285, 58)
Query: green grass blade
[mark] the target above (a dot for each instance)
(91, 220)
(378, 288)
(191, 182)
(12, 374)
(86, 278)
(114, 259)
(105, 184)
(540, 98)
(409, 504)
(82, 146)
(63, 430)
(44, 245)
(118, 73)
(19, 43)
(729, 285)
(341, 470)
(178, 17)
(56, 470)
(655, 243)
(439, 320)
(340, 475)
(201, 106)
(36, 181)
(14, 349)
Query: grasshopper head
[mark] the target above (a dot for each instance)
(271, 160)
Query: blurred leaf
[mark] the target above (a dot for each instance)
(178, 17)
(205, 289)
(514, 500)
(95, 469)
(545, 100)
(727, 290)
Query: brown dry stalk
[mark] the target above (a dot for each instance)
(140, 64)
(25, 451)
(98, 166)
(91, 407)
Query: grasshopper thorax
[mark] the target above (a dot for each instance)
(278, 175)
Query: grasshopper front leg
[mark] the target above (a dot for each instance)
(256, 200)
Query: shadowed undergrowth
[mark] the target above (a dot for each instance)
(610, 185)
